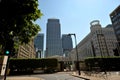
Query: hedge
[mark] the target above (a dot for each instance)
(103, 63)
(31, 64)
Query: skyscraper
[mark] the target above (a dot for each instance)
(67, 44)
(53, 38)
(39, 44)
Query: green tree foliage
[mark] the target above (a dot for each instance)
(17, 20)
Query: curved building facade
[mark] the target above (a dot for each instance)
(100, 42)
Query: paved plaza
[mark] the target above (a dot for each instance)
(89, 76)
(99, 76)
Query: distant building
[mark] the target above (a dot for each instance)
(53, 38)
(100, 42)
(26, 50)
(67, 44)
(39, 45)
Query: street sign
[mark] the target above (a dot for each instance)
(4, 66)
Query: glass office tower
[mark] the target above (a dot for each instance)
(67, 44)
(39, 45)
(53, 38)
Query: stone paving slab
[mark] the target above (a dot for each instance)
(23, 78)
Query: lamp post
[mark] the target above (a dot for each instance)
(118, 47)
(77, 64)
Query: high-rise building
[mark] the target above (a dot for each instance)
(67, 44)
(39, 45)
(53, 38)
(115, 19)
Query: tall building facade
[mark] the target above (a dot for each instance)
(100, 42)
(115, 19)
(67, 44)
(39, 45)
(53, 38)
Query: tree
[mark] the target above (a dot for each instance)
(17, 20)
(116, 53)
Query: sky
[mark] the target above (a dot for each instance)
(75, 15)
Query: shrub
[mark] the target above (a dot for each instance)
(28, 65)
(105, 63)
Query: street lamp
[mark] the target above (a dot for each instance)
(77, 64)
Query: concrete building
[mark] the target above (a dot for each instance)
(115, 19)
(53, 38)
(100, 42)
(39, 45)
(67, 44)
(26, 50)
